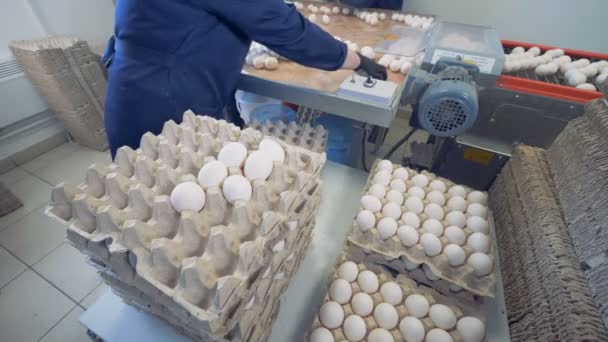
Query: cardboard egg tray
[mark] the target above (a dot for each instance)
(392, 253)
(304, 135)
(547, 295)
(408, 287)
(217, 274)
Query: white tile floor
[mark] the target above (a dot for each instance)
(45, 284)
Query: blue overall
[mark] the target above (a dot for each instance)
(168, 56)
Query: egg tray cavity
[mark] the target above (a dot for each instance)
(303, 135)
(212, 268)
(392, 253)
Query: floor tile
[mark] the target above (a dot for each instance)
(29, 307)
(34, 194)
(67, 269)
(51, 157)
(13, 176)
(72, 168)
(69, 329)
(33, 237)
(92, 297)
(10, 267)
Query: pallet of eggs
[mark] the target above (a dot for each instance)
(366, 303)
(409, 220)
(203, 225)
(302, 135)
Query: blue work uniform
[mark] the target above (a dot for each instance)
(170, 56)
(384, 4)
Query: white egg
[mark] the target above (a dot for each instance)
(362, 304)
(314, 9)
(417, 191)
(395, 197)
(417, 305)
(457, 190)
(535, 50)
(405, 67)
(233, 154)
(478, 242)
(455, 254)
(586, 86)
(386, 316)
(576, 78)
(412, 329)
(387, 227)
(385, 165)
(235, 188)
(442, 316)
(457, 203)
(325, 19)
(398, 184)
(368, 281)
(436, 197)
(478, 224)
(517, 50)
(273, 149)
(414, 204)
(395, 65)
(455, 235)
(391, 293)
(340, 291)
(476, 209)
(431, 244)
(477, 197)
(371, 203)
(471, 329)
(377, 190)
(382, 16)
(438, 185)
(354, 328)
(420, 180)
(408, 236)
(434, 211)
(368, 52)
(438, 335)
(380, 335)
(335, 10)
(348, 271)
(411, 219)
(212, 174)
(392, 210)
(331, 315)
(481, 263)
(188, 196)
(401, 173)
(271, 63)
(366, 220)
(601, 77)
(382, 177)
(258, 166)
(433, 226)
(321, 335)
(259, 62)
(456, 218)
(346, 11)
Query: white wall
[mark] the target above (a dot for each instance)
(17, 21)
(573, 24)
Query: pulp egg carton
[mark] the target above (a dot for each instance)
(303, 135)
(409, 219)
(546, 293)
(366, 303)
(218, 270)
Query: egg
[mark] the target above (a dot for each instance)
(478, 242)
(576, 78)
(408, 236)
(420, 180)
(414, 204)
(442, 316)
(601, 78)
(411, 219)
(348, 271)
(212, 173)
(417, 305)
(387, 227)
(436, 197)
(259, 62)
(456, 218)
(346, 11)
(391, 210)
(398, 184)
(481, 264)
(535, 50)
(233, 154)
(405, 67)
(271, 63)
(471, 329)
(331, 315)
(457, 203)
(314, 9)
(433, 226)
(457, 190)
(382, 177)
(586, 86)
(394, 196)
(326, 19)
(438, 335)
(438, 185)
(354, 328)
(431, 244)
(368, 52)
(362, 304)
(273, 149)
(455, 254)
(477, 197)
(258, 166)
(377, 190)
(386, 165)
(188, 196)
(371, 203)
(416, 191)
(517, 50)
(391, 293)
(235, 188)
(368, 281)
(434, 211)
(380, 335)
(455, 235)
(365, 220)
(476, 209)
(401, 173)
(411, 329)
(386, 316)
(335, 10)
(321, 335)
(340, 291)
(382, 16)
(395, 65)
(478, 224)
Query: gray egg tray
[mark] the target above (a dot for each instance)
(303, 135)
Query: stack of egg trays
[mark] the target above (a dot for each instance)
(579, 165)
(214, 275)
(303, 135)
(460, 282)
(547, 296)
(69, 76)
(408, 286)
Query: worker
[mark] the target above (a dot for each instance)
(170, 56)
(385, 4)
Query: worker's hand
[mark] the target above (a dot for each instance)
(371, 68)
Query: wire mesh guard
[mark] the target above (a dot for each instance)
(446, 116)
